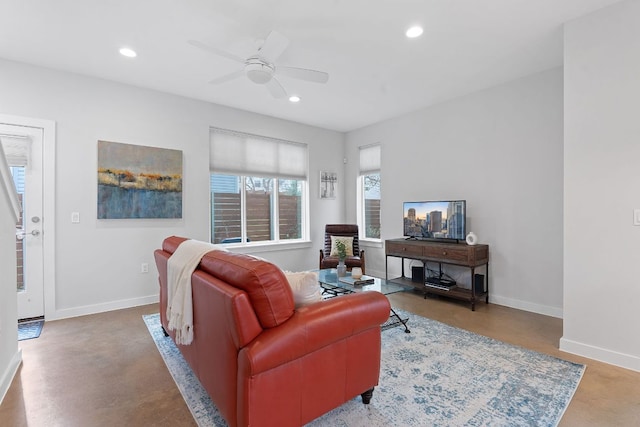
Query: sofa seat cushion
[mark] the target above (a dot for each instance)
(350, 261)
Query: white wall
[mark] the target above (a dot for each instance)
(10, 356)
(501, 150)
(602, 177)
(98, 262)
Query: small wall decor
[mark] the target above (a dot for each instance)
(138, 182)
(328, 183)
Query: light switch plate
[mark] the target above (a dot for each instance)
(636, 217)
(75, 217)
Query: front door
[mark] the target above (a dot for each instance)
(23, 146)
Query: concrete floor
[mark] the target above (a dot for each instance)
(104, 369)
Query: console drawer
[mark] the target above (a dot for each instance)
(450, 253)
(403, 249)
(447, 253)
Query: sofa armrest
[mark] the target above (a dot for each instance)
(315, 326)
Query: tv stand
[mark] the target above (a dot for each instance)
(460, 254)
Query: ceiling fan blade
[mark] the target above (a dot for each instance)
(304, 74)
(275, 88)
(273, 46)
(226, 78)
(216, 51)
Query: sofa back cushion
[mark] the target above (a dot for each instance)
(264, 282)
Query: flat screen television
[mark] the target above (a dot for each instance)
(437, 220)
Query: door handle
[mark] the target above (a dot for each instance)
(20, 234)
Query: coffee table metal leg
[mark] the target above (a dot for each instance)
(331, 291)
(399, 321)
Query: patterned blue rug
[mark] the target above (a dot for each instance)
(437, 375)
(30, 329)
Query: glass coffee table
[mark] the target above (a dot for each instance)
(333, 287)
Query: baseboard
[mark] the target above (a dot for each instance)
(622, 360)
(10, 373)
(507, 302)
(101, 308)
(526, 306)
(374, 273)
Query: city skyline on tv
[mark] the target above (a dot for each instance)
(435, 219)
(422, 209)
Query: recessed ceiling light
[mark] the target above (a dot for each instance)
(294, 98)
(129, 53)
(415, 31)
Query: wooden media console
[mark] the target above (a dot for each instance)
(459, 254)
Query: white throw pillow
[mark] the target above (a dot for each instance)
(348, 245)
(305, 287)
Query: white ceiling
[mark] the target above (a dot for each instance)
(375, 72)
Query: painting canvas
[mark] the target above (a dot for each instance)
(138, 182)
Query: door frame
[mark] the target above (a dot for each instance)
(48, 204)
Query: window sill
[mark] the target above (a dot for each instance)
(252, 248)
(370, 243)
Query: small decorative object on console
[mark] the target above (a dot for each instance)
(472, 239)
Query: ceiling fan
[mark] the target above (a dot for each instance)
(260, 67)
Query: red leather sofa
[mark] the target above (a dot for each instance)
(264, 363)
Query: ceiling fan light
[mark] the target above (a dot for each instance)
(259, 73)
(415, 31)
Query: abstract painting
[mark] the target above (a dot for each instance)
(135, 181)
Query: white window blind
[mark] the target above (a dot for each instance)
(239, 153)
(17, 149)
(369, 159)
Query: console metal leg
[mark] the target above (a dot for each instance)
(487, 284)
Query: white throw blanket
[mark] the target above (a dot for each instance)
(180, 267)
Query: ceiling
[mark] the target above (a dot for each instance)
(375, 72)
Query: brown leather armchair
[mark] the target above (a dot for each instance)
(344, 230)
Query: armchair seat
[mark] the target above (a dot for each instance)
(332, 262)
(327, 260)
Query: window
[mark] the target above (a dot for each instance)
(369, 192)
(258, 188)
(18, 174)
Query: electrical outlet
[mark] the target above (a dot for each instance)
(144, 267)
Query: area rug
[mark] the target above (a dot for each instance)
(437, 375)
(30, 329)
